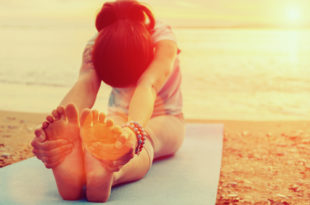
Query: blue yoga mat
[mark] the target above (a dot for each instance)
(190, 177)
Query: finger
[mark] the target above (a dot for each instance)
(47, 161)
(109, 165)
(42, 157)
(122, 161)
(52, 144)
(127, 156)
(114, 168)
(36, 153)
(55, 158)
(39, 140)
(57, 151)
(37, 143)
(33, 142)
(52, 163)
(64, 150)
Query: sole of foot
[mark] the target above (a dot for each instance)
(107, 147)
(69, 174)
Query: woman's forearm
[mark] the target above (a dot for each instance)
(83, 93)
(142, 104)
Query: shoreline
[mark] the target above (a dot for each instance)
(262, 161)
(43, 99)
(187, 120)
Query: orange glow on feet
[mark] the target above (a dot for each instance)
(102, 139)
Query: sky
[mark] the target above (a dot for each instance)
(177, 12)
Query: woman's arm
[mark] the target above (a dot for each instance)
(142, 102)
(84, 92)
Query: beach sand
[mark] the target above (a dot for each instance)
(264, 162)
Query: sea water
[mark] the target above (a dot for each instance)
(246, 74)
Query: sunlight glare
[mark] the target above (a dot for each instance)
(293, 15)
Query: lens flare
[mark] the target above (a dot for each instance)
(293, 15)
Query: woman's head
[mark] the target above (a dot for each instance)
(123, 48)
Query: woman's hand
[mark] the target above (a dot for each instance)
(50, 152)
(131, 141)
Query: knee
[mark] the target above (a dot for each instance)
(177, 144)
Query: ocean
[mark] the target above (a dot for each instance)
(231, 74)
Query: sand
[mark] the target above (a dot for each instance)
(264, 162)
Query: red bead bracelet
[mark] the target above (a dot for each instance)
(140, 134)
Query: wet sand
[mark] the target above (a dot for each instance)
(264, 162)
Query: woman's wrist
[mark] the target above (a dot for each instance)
(140, 134)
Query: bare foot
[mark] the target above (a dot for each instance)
(107, 148)
(69, 175)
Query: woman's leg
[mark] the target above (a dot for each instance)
(166, 136)
(69, 174)
(166, 133)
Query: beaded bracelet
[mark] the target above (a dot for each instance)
(140, 134)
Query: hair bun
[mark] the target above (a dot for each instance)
(112, 12)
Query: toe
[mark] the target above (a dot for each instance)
(50, 119)
(56, 115)
(38, 132)
(61, 112)
(86, 117)
(95, 115)
(45, 124)
(109, 123)
(101, 117)
(72, 114)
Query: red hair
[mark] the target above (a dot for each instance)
(123, 48)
